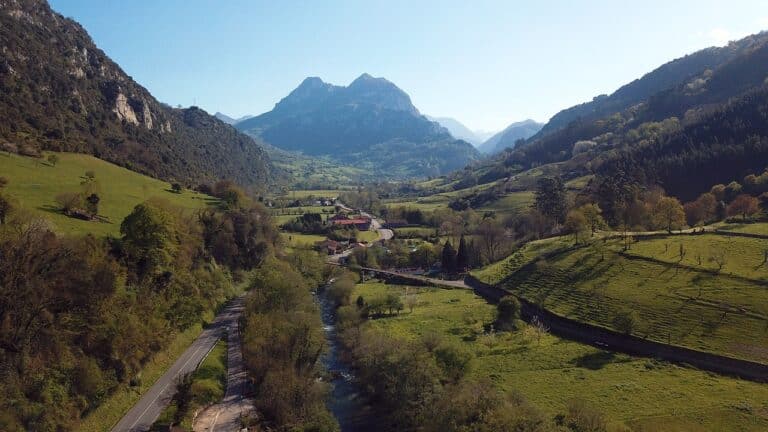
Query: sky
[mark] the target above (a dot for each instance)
(484, 63)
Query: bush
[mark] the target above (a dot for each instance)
(206, 391)
(507, 312)
(625, 321)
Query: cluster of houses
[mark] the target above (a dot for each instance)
(333, 247)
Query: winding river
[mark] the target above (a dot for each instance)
(348, 402)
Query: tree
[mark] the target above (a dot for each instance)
(507, 311)
(764, 202)
(92, 204)
(625, 321)
(550, 198)
(5, 209)
(448, 258)
(462, 255)
(703, 210)
(594, 218)
(69, 201)
(744, 205)
(3, 182)
(148, 238)
(576, 224)
(176, 187)
(668, 213)
(53, 159)
(492, 238)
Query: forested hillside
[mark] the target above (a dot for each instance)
(59, 91)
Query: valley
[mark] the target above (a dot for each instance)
(330, 258)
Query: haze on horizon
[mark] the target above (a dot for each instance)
(485, 64)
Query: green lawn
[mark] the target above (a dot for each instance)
(298, 240)
(682, 306)
(34, 184)
(641, 393)
(319, 193)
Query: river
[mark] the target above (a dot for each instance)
(348, 402)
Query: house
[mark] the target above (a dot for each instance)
(331, 247)
(362, 224)
(338, 217)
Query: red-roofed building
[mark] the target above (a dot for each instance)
(362, 224)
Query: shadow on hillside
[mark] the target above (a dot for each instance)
(594, 361)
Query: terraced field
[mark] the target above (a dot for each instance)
(665, 302)
(643, 394)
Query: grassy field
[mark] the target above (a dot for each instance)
(750, 228)
(668, 303)
(35, 184)
(298, 240)
(511, 203)
(496, 272)
(414, 232)
(208, 381)
(644, 394)
(742, 256)
(319, 193)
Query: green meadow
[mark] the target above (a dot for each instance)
(666, 300)
(644, 394)
(34, 185)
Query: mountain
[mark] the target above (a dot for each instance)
(683, 89)
(229, 120)
(510, 135)
(370, 124)
(458, 130)
(59, 91)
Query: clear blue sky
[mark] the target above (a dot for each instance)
(485, 63)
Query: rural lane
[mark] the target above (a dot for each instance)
(146, 411)
(225, 416)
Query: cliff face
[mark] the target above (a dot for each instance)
(59, 91)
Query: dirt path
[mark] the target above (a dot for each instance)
(225, 416)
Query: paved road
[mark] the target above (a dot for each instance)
(225, 416)
(148, 408)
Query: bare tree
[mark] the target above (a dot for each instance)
(539, 328)
(492, 238)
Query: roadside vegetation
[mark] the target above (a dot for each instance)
(203, 387)
(84, 315)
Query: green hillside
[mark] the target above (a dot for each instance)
(35, 183)
(713, 298)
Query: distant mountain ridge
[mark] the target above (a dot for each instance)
(459, 130)
(371, 123)
(59, 91)
(229, 120)
(510, 135)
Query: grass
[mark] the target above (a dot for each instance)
(318, 193)
(496, 272)
(208, 386)
(750, 228)
(298, 240)
(511, 203)
(34, 185)
(117, 404)
(711, 312)
(743, 256)
(414, 232)
(641, 393)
